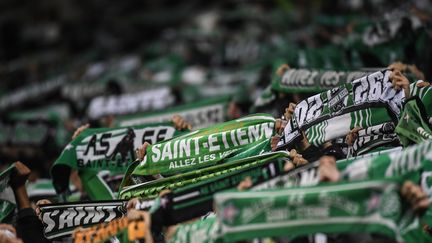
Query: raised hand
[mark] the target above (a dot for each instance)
(132, 203)
(20, 175)
(282, 69)
(140, 153)
(352, 136)
(289, 111)
(245, 184)
(328, 172)
(296, 160)
(399, 82)
(180, 123)
(413, 193)
(80, 130)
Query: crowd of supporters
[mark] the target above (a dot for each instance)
(260, 121)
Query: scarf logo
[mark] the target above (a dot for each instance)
(116, 148)
(388, 128)
(390, 205)
(338, 99)
(124, 146)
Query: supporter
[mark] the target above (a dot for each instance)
(410, 191)
(399, 82)
(237, 44)
(401, 67)
(29, 228)
(74, 177)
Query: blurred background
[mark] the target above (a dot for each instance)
(61, 61)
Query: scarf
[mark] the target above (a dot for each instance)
(98, 150)
(371, 206)
(203, 230)
(379, 136)
(307, 80)
(130, 103)
(152, 189)
(200, 114)
(61, 219)
(368, 101)
(205, 147)
(413, 127)
(7, 211)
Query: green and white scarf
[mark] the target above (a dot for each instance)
(5, 177)
(37, 126)
(350, 170)
(130, 103)
(7, 210)
(32, 92)
(196, 199)
(206, 147)
(25, 133)
(266, 97)
(305, 80)
(309, 80)
(307, 175)
(425, 95)
(203, 230)
(413, 163)
(372, 206)
(368, 101)
(200, 114)
(107, 149)
(232, 165)
(413, 125)
(378, 136)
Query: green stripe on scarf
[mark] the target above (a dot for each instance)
(106, 149)
(203, 230)
(7, 211)
(153, 188)
(357, 207)
(200, 114)
(207, 146)
(367, 101)
(5, 177)
(413, 127)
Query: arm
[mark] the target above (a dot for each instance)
(18, 180)
(28, 225)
